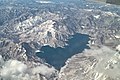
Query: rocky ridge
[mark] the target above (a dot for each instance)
(26, 32)
(93, 64)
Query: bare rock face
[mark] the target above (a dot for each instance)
(54, 29)
(113, 2)
(45, 33)
(117, 2)
(25, 28)
(9, 49)
(20, 40)
(94, 64)
(14, 60)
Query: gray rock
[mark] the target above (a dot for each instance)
(94, 64)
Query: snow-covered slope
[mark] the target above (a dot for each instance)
(94, 64)
(26, 26)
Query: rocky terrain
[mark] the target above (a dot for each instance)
(15, 64)
(116, 2)
(94, 64)
(25, 28)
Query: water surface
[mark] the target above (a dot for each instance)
(58, 56)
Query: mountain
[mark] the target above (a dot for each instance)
(27, 26)
(117, 2)
(113, 2)
(96, 63)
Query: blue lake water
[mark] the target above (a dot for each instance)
(58, 56)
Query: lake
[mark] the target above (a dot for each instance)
(58, 56)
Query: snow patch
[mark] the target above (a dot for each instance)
(117, 36)
(97, 16)
(44, 1)
(118, 47)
